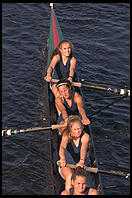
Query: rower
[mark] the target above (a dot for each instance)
(63, 65)
(79, 181)
(69, 103)
(73, 148)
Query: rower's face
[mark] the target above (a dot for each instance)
(64, 91)
(65, 49)
(76, 130)
(79, 184)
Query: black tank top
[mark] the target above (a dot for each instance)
(61, 70)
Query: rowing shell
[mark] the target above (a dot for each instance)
(55, 36)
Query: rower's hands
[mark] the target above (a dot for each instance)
(47, 78)
(70, 79)
(85, 121)
(65, 121)
(62, 162)
(80, 163)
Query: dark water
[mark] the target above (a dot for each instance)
(100, 33)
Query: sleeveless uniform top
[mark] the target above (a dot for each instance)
(73, 110)
(72, 152)
(60, 70)
(72, 156)
(86, 191)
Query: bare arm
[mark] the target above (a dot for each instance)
(65, 192)
(61, 107)
(72, 68)
(54, 61)
(85, 141)
(92, 191)
(63, 145)
(79, 102)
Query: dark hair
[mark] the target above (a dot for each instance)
(79, 171)
(57, 49)
(63, 82)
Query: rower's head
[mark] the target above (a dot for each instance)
(64, 88)
(74, 127)
(65, 47)
(79, 180)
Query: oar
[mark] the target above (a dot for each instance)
(115, 186)
(10, 132)
(96, 170)
(79, 84)
(98, 111)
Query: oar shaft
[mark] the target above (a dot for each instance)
(115, 186)
(78, 84)
(95, 87)
(10, 132)
(112, 172)
(120, 91)
(36, 129)
(96, 170)
(90, 169)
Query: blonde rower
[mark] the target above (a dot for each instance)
(73, 148)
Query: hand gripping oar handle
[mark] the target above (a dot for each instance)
(54, 80)
(57, 126)
(96, 170)
(10, 132)
(90, 169)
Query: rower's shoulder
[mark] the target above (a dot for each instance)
(77, 95)
(85, 137)
(56, 57)
(59, 99)
(73, 59)
(92, 191)
(65, 192)
(85, 134)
